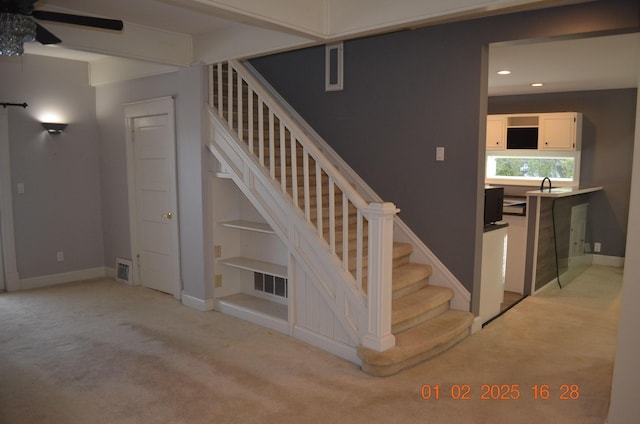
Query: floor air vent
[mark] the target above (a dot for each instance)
(123, 270)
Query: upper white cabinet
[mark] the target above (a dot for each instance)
(496, 132)
(535, 131)
(560, 131)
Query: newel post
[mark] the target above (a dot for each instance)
(380, 218)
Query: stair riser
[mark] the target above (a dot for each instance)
(424, 317)
(407, 290)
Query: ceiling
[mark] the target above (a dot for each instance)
(567, 65)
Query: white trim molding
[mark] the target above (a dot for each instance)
(332, 346)
(197, 304)
(62, 278)
(615, 261)
(334, 67)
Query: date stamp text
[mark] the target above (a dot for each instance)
(500, 392)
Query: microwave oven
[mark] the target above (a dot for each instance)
(522, 138)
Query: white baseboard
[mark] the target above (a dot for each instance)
(253, 316)
(197, 304)
(66, 277)
(339, 349)
(110, 272)
(477, 325)
(615, 261)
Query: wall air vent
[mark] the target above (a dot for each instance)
(123, 271)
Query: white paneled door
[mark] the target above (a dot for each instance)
(152, 164)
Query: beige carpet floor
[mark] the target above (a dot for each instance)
(100, 352)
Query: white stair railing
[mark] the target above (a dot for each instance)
(358, 234)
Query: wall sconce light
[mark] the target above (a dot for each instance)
(53, 128)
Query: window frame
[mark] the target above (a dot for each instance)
(532, 154)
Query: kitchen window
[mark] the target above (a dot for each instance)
(519, 167)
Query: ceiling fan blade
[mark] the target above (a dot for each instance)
(89, 21)
(44, 36)
(23, 7)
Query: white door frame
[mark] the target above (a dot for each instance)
(159, 106)
(7, 234)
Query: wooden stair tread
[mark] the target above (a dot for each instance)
(418, 344)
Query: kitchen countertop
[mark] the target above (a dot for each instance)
(563, 191)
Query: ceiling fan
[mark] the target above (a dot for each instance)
(18, 25)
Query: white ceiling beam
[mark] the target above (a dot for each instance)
(109, 69)
(351, 18)
(244, 41)
(302, 17)
(134, 42)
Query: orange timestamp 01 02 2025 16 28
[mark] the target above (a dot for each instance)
(500, 392)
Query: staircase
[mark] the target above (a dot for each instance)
(342, 241)
(422, 322)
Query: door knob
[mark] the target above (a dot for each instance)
(168, 215)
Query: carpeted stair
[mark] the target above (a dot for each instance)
(422, 322)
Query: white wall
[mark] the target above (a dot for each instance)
(191, 179)
(60, 209)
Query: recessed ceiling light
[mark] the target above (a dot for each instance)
(504, 72)
(537, 84)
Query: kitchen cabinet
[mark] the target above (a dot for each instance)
(535, 131)
(560, 131)
(496, 132)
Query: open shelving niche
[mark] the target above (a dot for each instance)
(251, 253)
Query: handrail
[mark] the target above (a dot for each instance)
(326, 198)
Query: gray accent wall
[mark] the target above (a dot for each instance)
(408, 92)
(60, 209)
(607, 153)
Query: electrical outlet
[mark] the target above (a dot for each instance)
(597, 247)
(218, 281)
(60, 256)
(218, 251)
(439, 154)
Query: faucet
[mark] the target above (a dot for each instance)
(542, 183)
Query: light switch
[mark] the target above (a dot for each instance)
(20, 187)
(439, 153)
